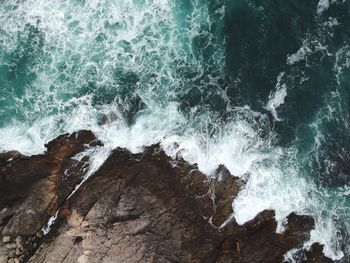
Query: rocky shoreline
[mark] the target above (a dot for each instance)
(136, 208)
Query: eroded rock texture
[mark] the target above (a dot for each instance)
(136, 208)
(33, 188)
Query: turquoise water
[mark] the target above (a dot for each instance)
(259, 86)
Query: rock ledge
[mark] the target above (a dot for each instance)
(135, 208)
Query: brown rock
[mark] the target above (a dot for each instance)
(5, 214)
(138, 208)
(12, 254)
(225, 188)
(154, 213)
(6, 239)
(3, 259)
(226, 185)
(315, 255)
(36, 186)
(19, 241)
(257, 240)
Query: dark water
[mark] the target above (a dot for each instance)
(261, 35)
(260, 86)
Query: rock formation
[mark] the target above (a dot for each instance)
(136, 208)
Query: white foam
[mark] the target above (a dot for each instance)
(322, 6)
(276, 99)
(22, 138)
(46, 229)
(300, 55)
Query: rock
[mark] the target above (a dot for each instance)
(315, 255)
(6, 239)
(141, 207)
(154, 212)
(19, 241)
(226, 185)
(225, 189)
(257, 240)
(18, 252)
(12, 254)
(3, 259)
(3, 251)
(38, 185)
(7, 157)
(5, 215)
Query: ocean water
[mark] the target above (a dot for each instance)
(261, 86)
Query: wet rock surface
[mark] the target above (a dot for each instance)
(136, 208)
(32, 189)
(315, 255)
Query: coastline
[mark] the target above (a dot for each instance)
(143, 207)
